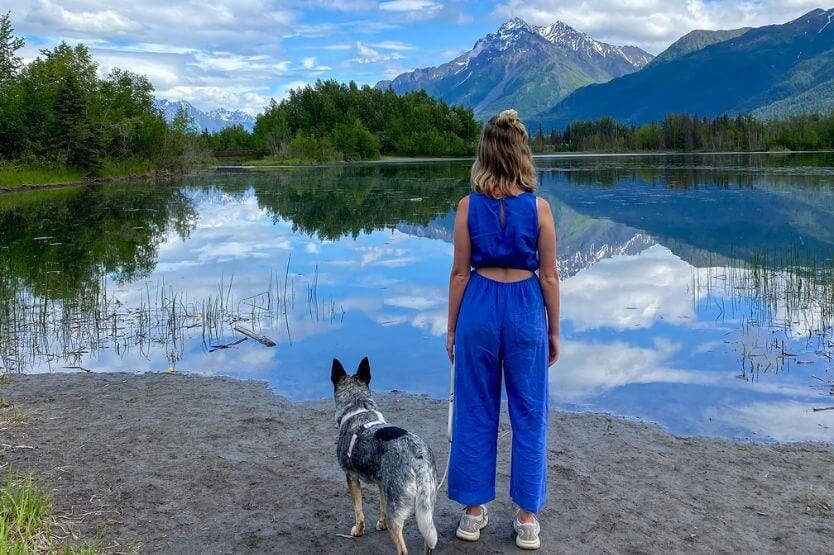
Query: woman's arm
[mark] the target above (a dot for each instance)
(549, 276)
(459, 276)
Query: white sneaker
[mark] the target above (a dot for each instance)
(527, 534)
(470, 526)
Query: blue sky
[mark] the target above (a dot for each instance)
(239, 53)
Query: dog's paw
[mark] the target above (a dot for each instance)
(381, 525)
(357, 530)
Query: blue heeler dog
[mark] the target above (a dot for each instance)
(399, 462)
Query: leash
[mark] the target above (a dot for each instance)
(449, 423)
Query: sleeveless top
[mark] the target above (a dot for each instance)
(508, 240)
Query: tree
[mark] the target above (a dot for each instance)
(73, 136)
(10, 62)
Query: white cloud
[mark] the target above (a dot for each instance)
(367, 55)
(653, 24)
(416, 302)
(637, 291)
(343, 5)
(310, 64)
(587, 369)
(780, 420)
(409, 5)
(392, 45)
(56, 17)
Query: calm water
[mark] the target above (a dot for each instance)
(697, 292)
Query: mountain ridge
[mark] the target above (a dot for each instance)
(523, 66)
(697, 40)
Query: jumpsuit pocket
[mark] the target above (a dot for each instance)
(528, 315)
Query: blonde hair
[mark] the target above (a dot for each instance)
(504, 163)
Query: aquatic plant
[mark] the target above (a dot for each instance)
(37, 331)
(783, 303)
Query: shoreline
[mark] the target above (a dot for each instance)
(585, 154)
(29, 187)
(187, 463)
(393, 160)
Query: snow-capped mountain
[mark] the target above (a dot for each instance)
(523, 66)
(563, 35)
(213, 120)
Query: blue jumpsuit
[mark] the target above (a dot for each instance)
(501, 327)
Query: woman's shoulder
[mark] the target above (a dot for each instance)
(543, 211)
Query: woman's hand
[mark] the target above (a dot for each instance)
(450, 345)
(553, 347)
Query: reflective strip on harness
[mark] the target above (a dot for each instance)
(355, 436)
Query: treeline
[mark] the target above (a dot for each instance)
(337, 121)
(682, 132)
(55, 112)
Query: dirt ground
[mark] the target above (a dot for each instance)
(183, 464)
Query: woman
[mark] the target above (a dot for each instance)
(503, 318)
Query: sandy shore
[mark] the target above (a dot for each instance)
(179, 464)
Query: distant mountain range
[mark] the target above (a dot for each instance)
(522, 66)
(769, 71)
(554, 75)
(213, 120)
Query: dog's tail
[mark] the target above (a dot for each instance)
(424, 501)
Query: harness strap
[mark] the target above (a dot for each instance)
(355, 436)
(347, 416)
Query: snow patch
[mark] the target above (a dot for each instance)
(827, 23)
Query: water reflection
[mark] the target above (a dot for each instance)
(697, 291)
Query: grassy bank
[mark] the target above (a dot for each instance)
(14, 177)
(19, 177)
(272, 161)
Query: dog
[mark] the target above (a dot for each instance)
(372, 451)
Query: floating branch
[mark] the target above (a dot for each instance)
(262, 339)
(227, 345)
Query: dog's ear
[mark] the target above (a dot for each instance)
(364, 371)
(337, 372)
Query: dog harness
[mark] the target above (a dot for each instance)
(379, 420)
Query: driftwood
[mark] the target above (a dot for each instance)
(78, 368)
(262, 339)
(227, 345)
(823, 408)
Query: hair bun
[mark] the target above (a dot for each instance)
(507, 117)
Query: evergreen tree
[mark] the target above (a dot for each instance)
(72, 135)
(9, 45)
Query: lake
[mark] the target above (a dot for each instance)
(697, 291)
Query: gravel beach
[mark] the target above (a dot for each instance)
(164, 463)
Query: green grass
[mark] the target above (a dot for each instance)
(12, 177)
(272, 161)
(24, 517)
(26, 521)
(124, 168)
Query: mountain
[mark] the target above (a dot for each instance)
(213, 120)
(764, 67)
(522, 66)
(696, 40)
(817, 99)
